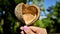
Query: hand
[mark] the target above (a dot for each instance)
(33, 30)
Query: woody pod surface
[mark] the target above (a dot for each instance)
(27, 14)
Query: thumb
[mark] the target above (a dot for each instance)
(27, 30)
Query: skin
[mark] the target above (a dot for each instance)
(33, 30)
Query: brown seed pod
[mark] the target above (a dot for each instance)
(28, 14)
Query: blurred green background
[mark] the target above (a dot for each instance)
(9, 24)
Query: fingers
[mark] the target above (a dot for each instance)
(44, 31)
(27, 30)
(21, 28)
(38, 30)
(22, 32)
(34, 28)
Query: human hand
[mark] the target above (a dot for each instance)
(33, 30)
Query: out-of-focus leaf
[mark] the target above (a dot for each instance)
(1, 29)
(16, 25)
(55, 13)
(59, 20)
(2, 22)
(39, 23)
(5, 2)
(52, 30)
(42, 8)
(19, 1)
(47, 22)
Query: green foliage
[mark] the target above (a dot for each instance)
(9, 23)
(58, 20)
(1, 29)
(18, 1)
(47, 22)
(39, 23)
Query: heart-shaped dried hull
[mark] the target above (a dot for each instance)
(27, 13)
(28, 18)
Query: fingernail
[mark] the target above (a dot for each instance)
(25, 28)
